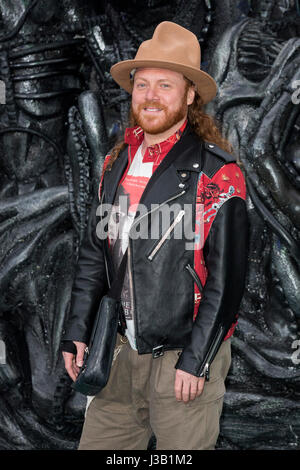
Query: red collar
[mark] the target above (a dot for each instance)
(134, 136)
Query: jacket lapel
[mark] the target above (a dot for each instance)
(111, 178)
(165, 181)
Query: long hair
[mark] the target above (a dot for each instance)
(204, 125)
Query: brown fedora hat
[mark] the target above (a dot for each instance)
(172, 47)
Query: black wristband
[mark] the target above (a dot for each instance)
(68, 346)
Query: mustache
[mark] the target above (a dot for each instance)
(151, 104)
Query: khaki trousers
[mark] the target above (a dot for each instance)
(139, 399)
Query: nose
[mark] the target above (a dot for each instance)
(151, 93)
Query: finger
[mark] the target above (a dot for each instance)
(76, 368)
(68, 358)
(79, 361)
(178, 388)
(73, 374)
(80, 353)
(186, 391)
(200, 386)
(76, 371)
(193, 389)
(79, 357)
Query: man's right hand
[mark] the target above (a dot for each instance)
(73, 362)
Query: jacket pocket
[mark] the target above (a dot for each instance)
(165, 236)
(195, 276)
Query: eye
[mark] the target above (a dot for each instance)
(165, 85)
(140, 85)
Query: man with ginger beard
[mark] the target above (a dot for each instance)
(180, 304)
(160, 100)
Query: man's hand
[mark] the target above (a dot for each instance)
(187, 386)
(72, 362)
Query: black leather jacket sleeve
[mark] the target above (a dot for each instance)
(225, 254)
(89, 285)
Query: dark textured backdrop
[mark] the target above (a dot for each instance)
(62, 113)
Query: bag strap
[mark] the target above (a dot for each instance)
(117, 284)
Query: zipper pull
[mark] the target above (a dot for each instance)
(206, 371)
(179, 216)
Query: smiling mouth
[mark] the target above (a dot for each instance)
(152, 110)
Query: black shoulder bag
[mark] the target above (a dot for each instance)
(95, 371)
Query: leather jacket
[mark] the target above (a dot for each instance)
(163, 287)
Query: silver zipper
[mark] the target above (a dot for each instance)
(129, 255)
(107, 274)
(195, 276)
(131, 289)
(211, 353)
(166, 234)
(206, 371)
(156, 208)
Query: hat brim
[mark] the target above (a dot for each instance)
(206, 85)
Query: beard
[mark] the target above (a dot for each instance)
(152, 125)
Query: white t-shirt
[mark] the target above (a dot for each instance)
(125, 205)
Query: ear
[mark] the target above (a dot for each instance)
(190, 95)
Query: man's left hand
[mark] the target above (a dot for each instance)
(187, 386)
